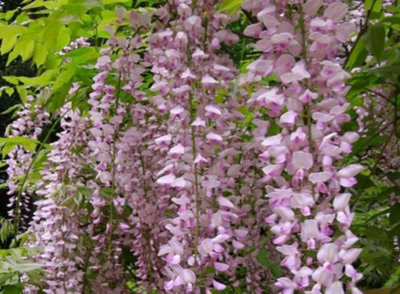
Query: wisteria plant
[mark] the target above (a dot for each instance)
(197, 146)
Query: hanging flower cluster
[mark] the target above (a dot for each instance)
(208, 182)
(300, 44)
(187, 174)
(57, 225)
(78, 43)
(30, 122)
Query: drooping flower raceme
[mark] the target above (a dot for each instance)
(300, 45)
(30, 122)
(57, 226)
(202, 147)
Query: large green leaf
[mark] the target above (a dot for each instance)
(8, 36)
(23, 267)
(358, 55)
(27, 143)
(41, 80)
(23, 93)
(375, 6)
(64, 78)
(40, 54)
(375, 40)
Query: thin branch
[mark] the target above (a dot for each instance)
(380, 95)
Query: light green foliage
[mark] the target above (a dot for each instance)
(44, 28)
(15, 262)
(230, 6)
(9, 143)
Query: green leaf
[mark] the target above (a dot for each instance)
(23, 93)
(391, 20)
(40, 3)
(11, 109)
(376, 233)
(363, 182)
(86, 55)
(11, 79)
(63, 38)
(6, 278)
(358, 55)
(13, 54)
(21, 266)
(107, 17)
(374, 5)
(393, 176)
(8, 38)
(10, 14)
(390, 72)
(274, 129)
(40, 54)
(13, 289)
(23, 17)
(367, 142)
(41, 80)
(395, 214)
(28, 50)
(7, 148)
(273, 267)
(9, 91)
(106, 2)
(50, 35)
(58, 99)
(40, 159)
(6, 229)
(92, 3)
(27, 143)
(230, 6)
(64, 78)
(24, 47)
(375, 40)
(52, 62)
